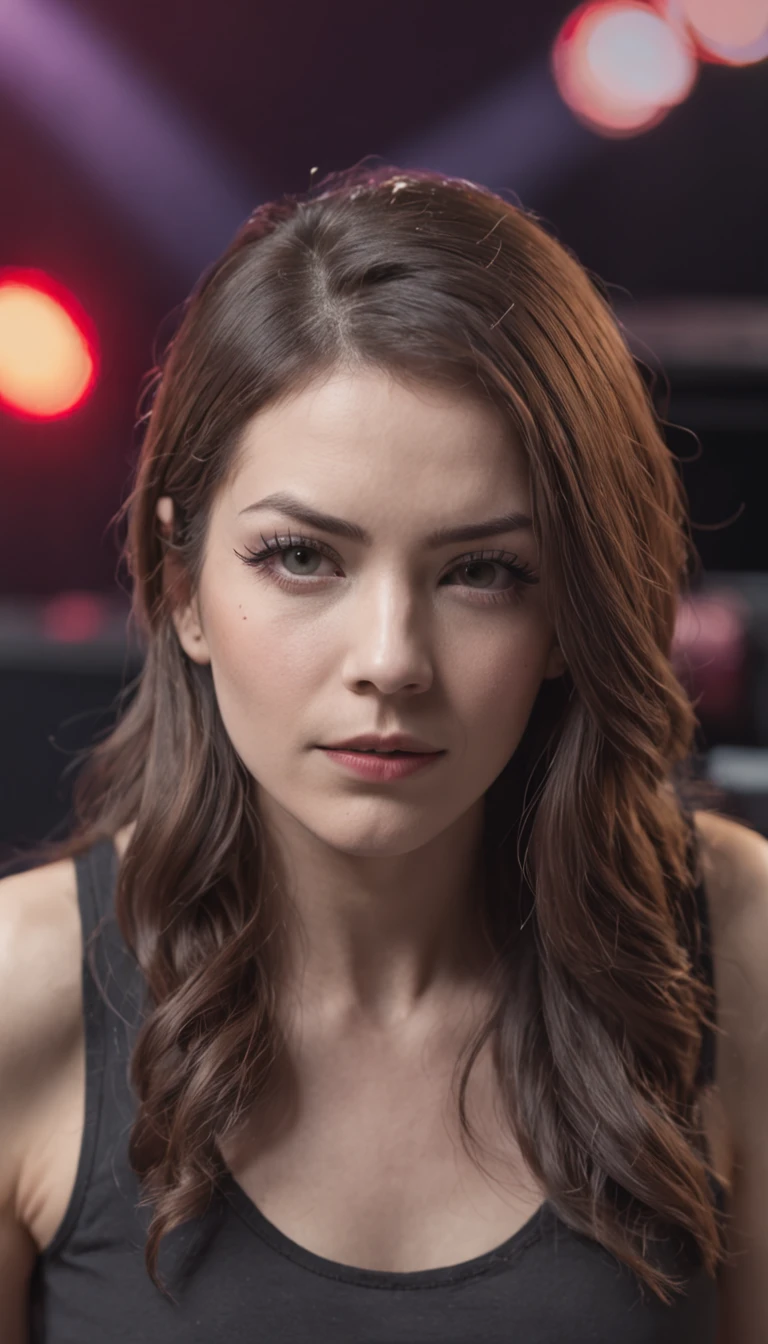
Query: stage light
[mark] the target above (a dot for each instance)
(620, 66)
(70, 617)
(47, 347)
(732, 33)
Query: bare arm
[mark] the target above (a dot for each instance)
(736, 872)
(36, 1024)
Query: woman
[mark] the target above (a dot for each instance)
(393, 928)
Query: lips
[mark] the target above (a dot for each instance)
(381, 767)
(372, 751)
(385, 745)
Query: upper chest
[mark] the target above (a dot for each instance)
(360, 1159)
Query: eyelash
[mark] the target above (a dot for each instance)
(259, 560)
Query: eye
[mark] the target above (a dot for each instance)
(481, 564)
(293, 563)
(304, 558)
(301, 557)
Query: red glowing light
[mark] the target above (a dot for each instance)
(71, 617)
(620, 66)
(48, 352)
(732, 33)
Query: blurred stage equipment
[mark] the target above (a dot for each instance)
(63, 662)
(720, 653)
(741, 776)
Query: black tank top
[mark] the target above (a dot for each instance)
(238, 1280)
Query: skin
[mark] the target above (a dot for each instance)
(383, 877)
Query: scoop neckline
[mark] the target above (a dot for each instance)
(497, 1258)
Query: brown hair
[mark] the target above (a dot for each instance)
(591, 908)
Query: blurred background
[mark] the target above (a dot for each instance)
(136, 137)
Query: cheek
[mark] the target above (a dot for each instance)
(497, 688)
(504, 671)
(261, 670)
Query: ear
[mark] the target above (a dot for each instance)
(185, 610)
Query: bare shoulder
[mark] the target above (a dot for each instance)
(41, 1025)
(41, 950)
(39, 965)
(735, 871)
(734, 861)
(41, 947)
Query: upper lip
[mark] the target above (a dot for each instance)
(395, 742)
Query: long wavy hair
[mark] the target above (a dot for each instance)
(599, 1008)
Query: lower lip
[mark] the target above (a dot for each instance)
(382, 767)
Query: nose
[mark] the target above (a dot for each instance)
(387, 641)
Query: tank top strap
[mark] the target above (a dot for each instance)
(110, 968)
(96, 872)
(109, 991)
(112, 987)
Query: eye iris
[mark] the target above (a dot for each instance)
(302, 551)
(479, 564)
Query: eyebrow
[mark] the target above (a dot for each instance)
(443, 536)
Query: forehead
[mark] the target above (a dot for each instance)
(366, 436)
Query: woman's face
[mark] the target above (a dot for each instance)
(387, 631)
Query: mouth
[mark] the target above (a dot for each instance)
(379, 766)
(374, 751)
